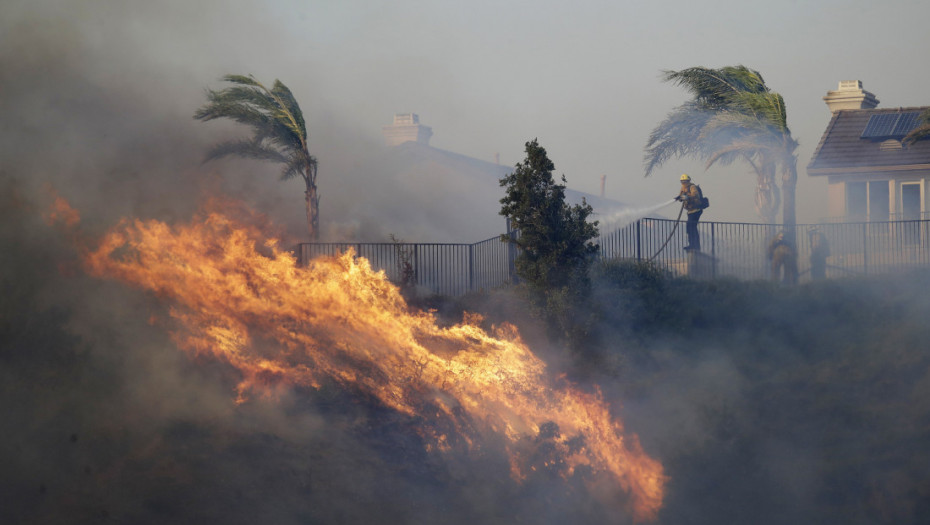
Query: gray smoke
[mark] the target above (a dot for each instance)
(105, 420)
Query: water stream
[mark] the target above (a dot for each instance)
(628, 216)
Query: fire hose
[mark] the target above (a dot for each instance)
(677, 222)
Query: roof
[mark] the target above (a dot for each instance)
(481, 171)
(843, 150)
(450, 196)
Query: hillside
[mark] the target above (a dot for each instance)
(764, 404)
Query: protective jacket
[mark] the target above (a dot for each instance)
(783, 257)
(692, 197)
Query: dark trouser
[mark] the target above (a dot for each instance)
(790, 267)
(694, 240)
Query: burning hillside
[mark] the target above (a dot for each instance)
(240, 299)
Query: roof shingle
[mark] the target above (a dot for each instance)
(841, 148)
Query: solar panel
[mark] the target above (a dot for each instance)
(887, 125)
(906, 122)
(880, 125)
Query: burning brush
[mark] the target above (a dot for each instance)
(241, 299)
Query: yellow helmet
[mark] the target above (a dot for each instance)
(685, 177)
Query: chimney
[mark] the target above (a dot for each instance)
(850, 95)
(406, 128)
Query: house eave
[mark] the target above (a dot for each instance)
(866, 169)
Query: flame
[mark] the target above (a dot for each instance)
(337, 319)
(60, 211)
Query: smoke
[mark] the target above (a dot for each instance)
(103, 418)
(99, 103)
(765, 407)
(774, 405)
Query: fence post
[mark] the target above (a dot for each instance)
(713, 251)
(416, 265)
(511, 253)
(639, 252)
(865, 248)
(922, 240)
(471, 267)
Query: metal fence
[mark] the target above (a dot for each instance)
(739, 250)
(440, 268)
(735, 250)
(900, 216)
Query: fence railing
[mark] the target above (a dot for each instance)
(739, 250)
(885, 217)
(441, 268)
(736, 250)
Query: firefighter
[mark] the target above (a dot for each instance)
(820, 250)
(784, 259)
(694, 202)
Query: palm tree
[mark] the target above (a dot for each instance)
(279, 132)
(922, 130)
(732, 116)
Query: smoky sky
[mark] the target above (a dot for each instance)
(116, 76)
(98, 103)
(107, 420)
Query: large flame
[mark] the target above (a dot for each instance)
(337, 319)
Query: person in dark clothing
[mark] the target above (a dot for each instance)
(820, 250)
(784, 260)
(694, 202)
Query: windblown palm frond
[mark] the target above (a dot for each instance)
(730, 126)
(245, 148)
(677, 136)
(715, 88)
(733, 151)
(279, 132)
(294, 167)
(289, 109)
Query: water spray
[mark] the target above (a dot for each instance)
(626, 217)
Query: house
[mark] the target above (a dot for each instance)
(871, 175)
(455, 197)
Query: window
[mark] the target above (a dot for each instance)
(856, 201)
(910, 211)
(868, 201)
(879, 201)
(910, 201)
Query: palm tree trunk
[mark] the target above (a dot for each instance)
(767, 196)
(313, 213)
(789, 182)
